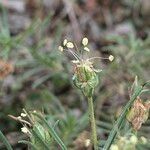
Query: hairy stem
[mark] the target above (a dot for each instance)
(92, 120)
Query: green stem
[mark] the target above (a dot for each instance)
(92, 120)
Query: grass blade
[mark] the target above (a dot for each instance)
(5, 141)
(41, 140)
(52, 132)
(118, 123)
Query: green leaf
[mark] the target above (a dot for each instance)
(137, 91)
(52, 132)
(40, 139)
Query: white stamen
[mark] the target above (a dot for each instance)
(23, 115)
(24, 130)
(74, 54)
(97, 58)
(61, 48)
(65, 42)
(86, 49)
(69, 45)
(75, 61)
(19, 117)
(111, 58)
(98, 70)
(85, 41)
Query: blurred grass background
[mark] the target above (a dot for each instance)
(30, 33)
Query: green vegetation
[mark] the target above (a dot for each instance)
(46, 98)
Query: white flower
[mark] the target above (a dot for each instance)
(24, 130)
(85, 41)
(69, 45)
(86, 49)
(61, 48)
(114, 147)
(111, 58)
(23, 115)
(65, 42)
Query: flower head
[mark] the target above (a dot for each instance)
(85, 75)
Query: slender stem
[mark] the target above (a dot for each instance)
(93, 124)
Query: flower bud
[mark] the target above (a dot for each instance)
(85, 78)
